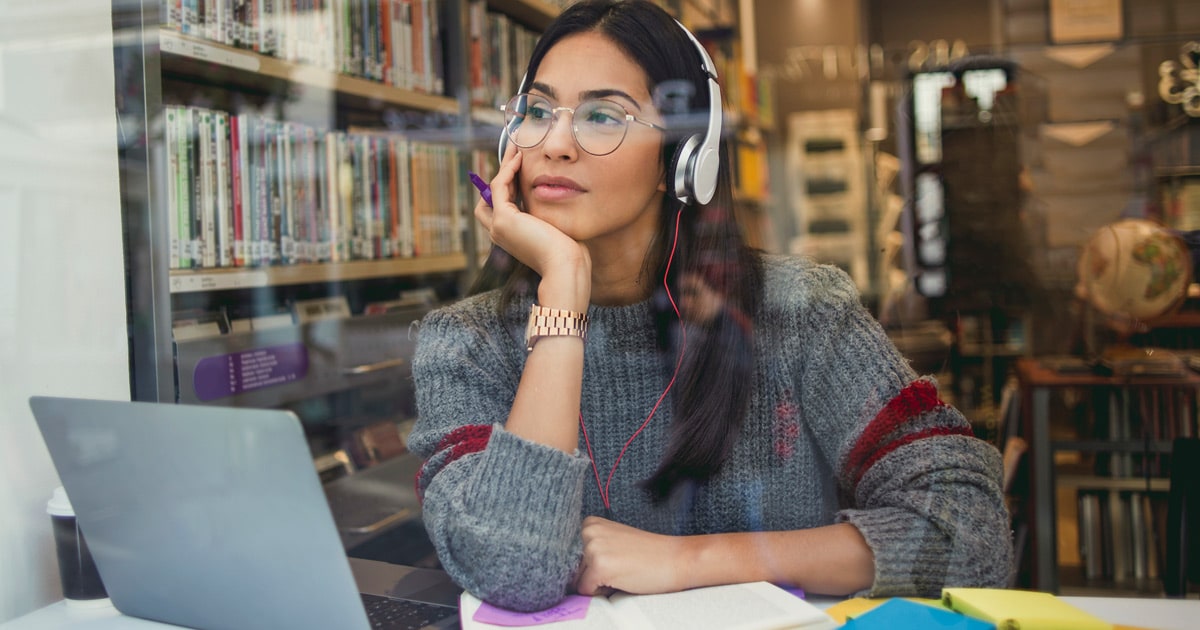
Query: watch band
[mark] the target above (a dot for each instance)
(553, 322)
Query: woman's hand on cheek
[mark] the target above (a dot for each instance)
(526, 237)
(624, 558)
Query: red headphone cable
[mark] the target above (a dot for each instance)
(678, 362)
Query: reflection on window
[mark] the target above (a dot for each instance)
(982, 85)
(927, 113)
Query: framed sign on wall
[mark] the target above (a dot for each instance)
(1075, 21)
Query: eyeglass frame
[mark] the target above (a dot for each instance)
(554, 111)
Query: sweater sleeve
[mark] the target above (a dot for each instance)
(503, 513)
(923, 491)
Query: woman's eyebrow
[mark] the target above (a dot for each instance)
(588, 94)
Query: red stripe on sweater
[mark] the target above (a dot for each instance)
(465, 440)
(917, 398)
(912, 437)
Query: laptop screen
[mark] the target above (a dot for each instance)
(207, 517)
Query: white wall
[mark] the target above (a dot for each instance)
(62, 304)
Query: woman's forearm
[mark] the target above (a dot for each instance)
(546, 407)
(831, 560)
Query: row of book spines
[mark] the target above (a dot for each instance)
(497, 49)
(1121, 535)
(1153, 414)
(396, 42)
(247, 191)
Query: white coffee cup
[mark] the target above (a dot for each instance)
(81, 582)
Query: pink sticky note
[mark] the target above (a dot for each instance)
(573, 607)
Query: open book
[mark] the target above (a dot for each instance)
(753, 606)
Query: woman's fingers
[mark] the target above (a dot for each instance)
(503, 189)
(621, 557)
(504, 183)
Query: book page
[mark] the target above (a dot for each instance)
(753, 606)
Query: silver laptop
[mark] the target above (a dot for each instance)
(214, 517)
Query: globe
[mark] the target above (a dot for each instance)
(1134, 270)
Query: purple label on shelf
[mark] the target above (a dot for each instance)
(228, 374)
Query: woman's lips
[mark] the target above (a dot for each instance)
(548, 188)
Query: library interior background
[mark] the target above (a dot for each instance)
(1013, 185)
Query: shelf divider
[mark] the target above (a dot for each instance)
(192, 280)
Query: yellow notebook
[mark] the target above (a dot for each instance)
(1020, 610)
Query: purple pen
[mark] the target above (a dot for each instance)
(485, 191)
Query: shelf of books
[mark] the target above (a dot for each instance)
(346, 45)
(1120, 495)
(1100, 475)
(244, 191)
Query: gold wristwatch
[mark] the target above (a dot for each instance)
(553, 322)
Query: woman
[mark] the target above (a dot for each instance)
(726, 417)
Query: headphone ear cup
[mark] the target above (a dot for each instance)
(681, 169)
(703, 169)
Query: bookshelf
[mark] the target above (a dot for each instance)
(1099, 446)
(334, 67)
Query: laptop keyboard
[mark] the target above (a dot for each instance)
(402, 614)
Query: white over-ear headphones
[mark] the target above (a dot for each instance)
(698, 159)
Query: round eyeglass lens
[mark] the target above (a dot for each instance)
(599, 126)
(527, 119)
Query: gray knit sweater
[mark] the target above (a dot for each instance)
(839, 429)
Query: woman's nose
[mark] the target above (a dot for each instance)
(560, 139)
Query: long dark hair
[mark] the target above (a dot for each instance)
(712, 391)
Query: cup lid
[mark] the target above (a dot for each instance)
(59, 504)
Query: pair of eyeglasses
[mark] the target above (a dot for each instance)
(599, 126)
